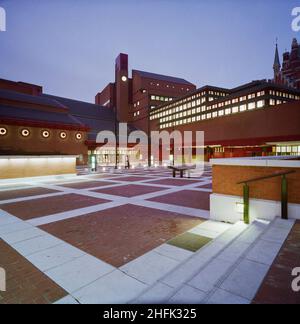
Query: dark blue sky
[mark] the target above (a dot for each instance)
(69, 46)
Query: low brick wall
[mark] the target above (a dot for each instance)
(225, 178)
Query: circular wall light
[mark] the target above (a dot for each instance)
(3, 131)
(25, 132)
(63, 135)
(124, 78)
(78, 136)
(45, 134)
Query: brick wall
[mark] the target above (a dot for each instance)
(225, 180)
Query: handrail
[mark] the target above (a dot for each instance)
(284, 193)
(276, 174)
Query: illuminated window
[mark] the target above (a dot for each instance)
(260, 104)
(251, 105)
(63, 135)
(25, 132)
(228, 111)
(243, 107)
(124, 78)
(3, 131)
(235, 109)
(45, 134)
(78, 136)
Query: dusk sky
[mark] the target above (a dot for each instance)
(69, 46)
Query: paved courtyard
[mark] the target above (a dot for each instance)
(137, 236)
(60, 236)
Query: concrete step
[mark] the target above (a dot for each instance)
(166, 285)
(234, 275)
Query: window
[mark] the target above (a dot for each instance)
(3, 131)
(25, 132)
(63, 135)
(260, 104)
(235, 109)
(243, 108)
(45, 134)
(228, 111)
(251, 105)
(78, 136)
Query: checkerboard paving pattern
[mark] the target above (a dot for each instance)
(91, 238)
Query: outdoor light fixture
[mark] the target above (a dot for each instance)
(45, 134)
(239, 207)
(3, 131)
(25, 132)
(78, 136)
(63, 135)
(124, 78)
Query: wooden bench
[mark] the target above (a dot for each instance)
(181, 169)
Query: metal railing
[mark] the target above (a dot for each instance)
(284, 193)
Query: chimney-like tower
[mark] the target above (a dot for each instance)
(122, 87)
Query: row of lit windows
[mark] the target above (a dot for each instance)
(215, 114)
(284, 95)
(288, 149)
(223, 103)
(176, 112)
(160, 98)
(25, 132)
(168, 86)
(137, 113)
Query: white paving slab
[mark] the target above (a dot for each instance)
(19, 236)
(6, 219)
(234, 251)
(114, 288)
(55, 256)
(173, 252)
(80, 272)
(187, 295)
(264, 252)
(14, 227)
(221, 296)
(206, 279)
(157, 294)
(36, 244)
(245, 279)
(149, 267)
(276, 234)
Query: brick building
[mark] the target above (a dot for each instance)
(289, 73)
(133, 98)
(258, 118)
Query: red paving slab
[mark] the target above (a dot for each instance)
(48, 206)
(20, 193)
(276, 287)
(25, 284)
(132, 179)
(129, 190)
(86, 185)
(121, 234)
(186, 198)
(174, 182)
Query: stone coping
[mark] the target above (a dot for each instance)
(272, 161)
